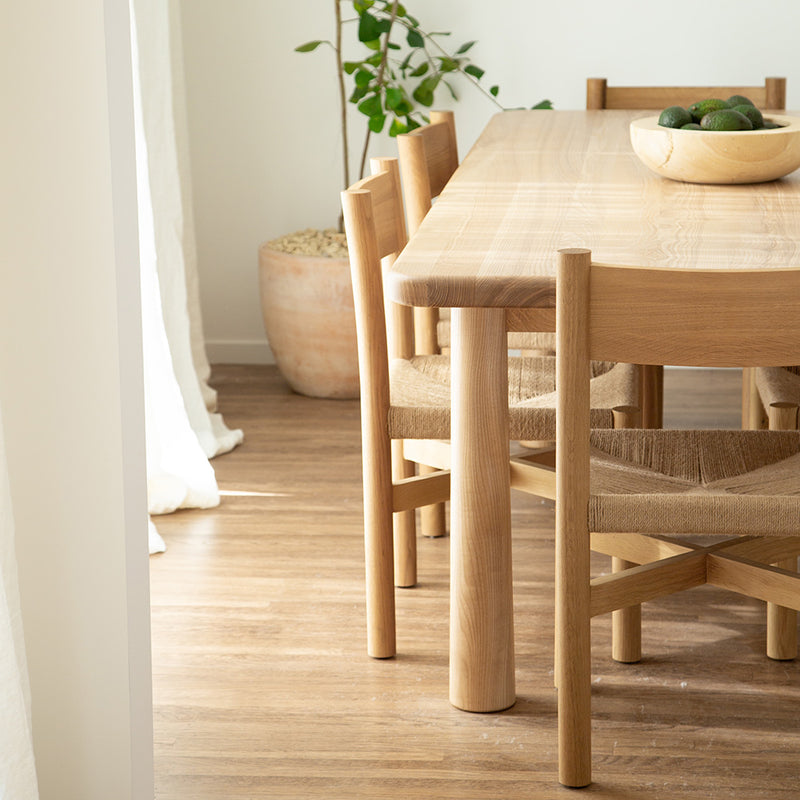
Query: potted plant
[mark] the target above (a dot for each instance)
(306, 295)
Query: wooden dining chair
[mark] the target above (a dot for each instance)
(599, 95)
(641, 494)
(405, 403)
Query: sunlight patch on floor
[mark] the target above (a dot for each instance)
(242, 493)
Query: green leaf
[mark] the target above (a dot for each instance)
(309, 46)
(351, 66)
(358, 93)
(423, 94)
(464, 48)
(452, 90)
(371, 106)
(394, 97)
(393, 46)
(363, 77)
(377, 122)
(543, 104)
(415, 39)
(494, 90)
(420, 70)
(447, 64)
(369, 28)
(397, 127)
(476, 72)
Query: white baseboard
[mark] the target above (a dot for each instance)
(239, 352)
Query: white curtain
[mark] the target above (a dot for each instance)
(17, 771)
(182, 427)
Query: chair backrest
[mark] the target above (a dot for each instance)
(428, 157)
(376, 233)
(683, 317)
(772, 95)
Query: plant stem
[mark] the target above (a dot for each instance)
(342, 103)
(379, 81)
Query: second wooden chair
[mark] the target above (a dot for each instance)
(405, 403)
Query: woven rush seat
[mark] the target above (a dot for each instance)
(420, 396)
(729, 487)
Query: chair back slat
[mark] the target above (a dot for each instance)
(376, 233)
(599, 95)
(711, 318)
(428, 158)
(387, 220)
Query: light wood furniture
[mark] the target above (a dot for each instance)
(771, 96)
(427, 157)
(635, 490)
(534, 182)
(261, 690)
(375, 225)
(777, 397)
(405, 409)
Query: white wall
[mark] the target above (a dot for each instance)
(263, 119)
(71, 393)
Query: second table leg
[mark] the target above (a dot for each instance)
(481, 593)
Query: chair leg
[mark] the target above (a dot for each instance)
(432, 521)
(652, 396)
(573, 668)
(754, 417)
(404, 526)
(378, 551)
(626, 625)
(782, 622)
(782, 625)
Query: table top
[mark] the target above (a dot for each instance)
(539, 181)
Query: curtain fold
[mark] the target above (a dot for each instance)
(182, 427)
(17, 768)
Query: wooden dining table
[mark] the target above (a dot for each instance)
(536, 182)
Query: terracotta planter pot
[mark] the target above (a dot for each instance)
(307, 304)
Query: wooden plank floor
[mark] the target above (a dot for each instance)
(263, 690)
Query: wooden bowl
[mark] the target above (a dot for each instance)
(718, 156)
